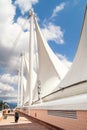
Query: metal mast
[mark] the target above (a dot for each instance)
(31, 46)
(21, 79)
(19, 87)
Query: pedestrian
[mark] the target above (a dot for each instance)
(16, 116)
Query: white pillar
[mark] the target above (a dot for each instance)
(19, 88)
(21, 79)
(31, 46)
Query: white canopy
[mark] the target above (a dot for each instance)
(50, 70)
(78, 70)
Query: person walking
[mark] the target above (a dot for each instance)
(16, 116)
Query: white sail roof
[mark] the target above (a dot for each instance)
(78, 70)
(67, 92)
(51, 70)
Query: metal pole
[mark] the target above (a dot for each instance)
(31, 46)
(21, 80)
(19, 88)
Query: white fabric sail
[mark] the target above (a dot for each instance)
(75, 81)
(59, 92)
(78, 71)
(26, 94)
(51, 71)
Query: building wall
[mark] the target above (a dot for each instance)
(66, 123)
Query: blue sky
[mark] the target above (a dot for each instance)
(60, 22)
(69, 19)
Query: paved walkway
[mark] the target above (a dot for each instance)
(23, 124)
(10, 120)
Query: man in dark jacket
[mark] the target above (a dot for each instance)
(16, 116)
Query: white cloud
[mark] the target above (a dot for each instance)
(23, 23)
(7, 90)
(13, 41)
(64, 60)
(23, 44)
(10, 32)
(25, 5)
(13, 34)
(7, 11)
(53, 33)
(58, 9)
(9, 96)
(9, 79)
(6, 87)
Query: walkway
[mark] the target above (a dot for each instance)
(23, 124)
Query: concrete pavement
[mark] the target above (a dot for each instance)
(23, 124)
(10, 120)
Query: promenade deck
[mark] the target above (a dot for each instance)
(23, 124)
